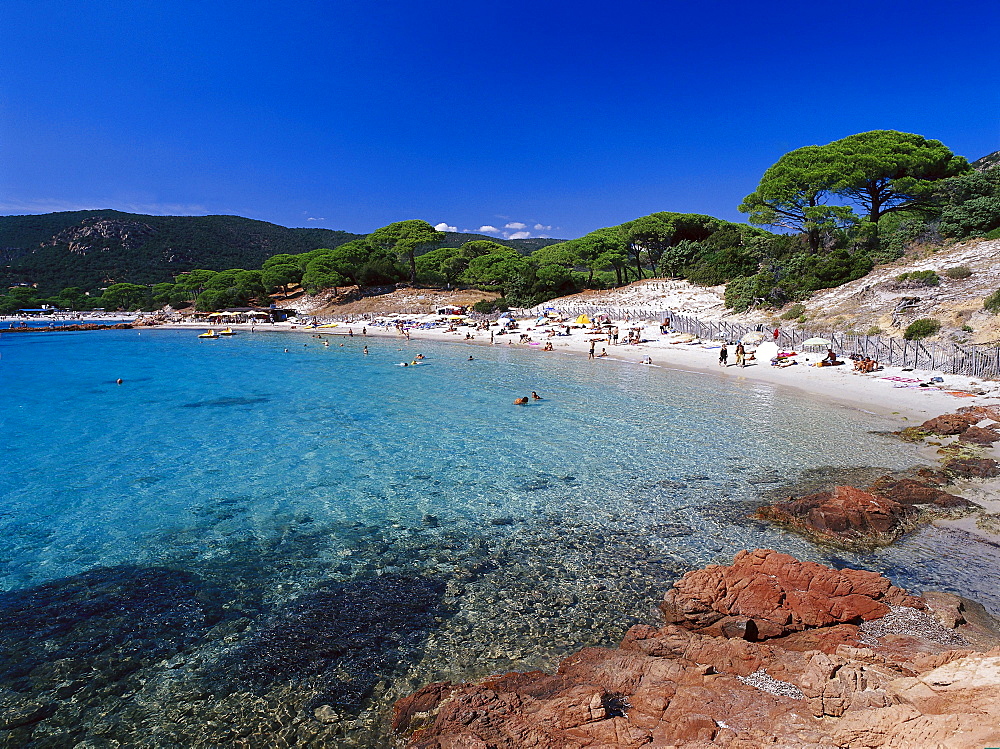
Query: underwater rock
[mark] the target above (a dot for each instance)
(912, 492)
(846, 516)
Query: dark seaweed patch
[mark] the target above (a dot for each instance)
(105, 616)
(227, 401)
(348, 634)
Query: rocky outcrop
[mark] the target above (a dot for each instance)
(965, 424)
(777, 595)
(829, 683)
(98, 234)
(973, 468)
(847, 517)
(72, 328)
(949, 424)
(913, 492)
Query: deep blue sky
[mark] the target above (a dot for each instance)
(350, 115)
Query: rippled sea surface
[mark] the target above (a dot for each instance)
(243, 545)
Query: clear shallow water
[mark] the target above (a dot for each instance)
(283, 498)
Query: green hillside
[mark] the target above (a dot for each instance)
(92, 249)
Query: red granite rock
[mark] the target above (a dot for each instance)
(911, 492)
(947, 424)
(979, 435)
(846, 516)
(779, 593)
(673, 687)
(973, 468)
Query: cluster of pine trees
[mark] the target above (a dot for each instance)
(840, 209)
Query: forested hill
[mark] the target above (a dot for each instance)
(92, 249)
(989, 161)
(524, 246)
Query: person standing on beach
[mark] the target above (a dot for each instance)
(740, 354)
(591, 350)
(777, 332)
(364, 331)
(724, 356)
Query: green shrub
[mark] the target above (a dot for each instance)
(992, 302)
(959, 271)
(486, 306)
(794, 311)
(967, 329)
(923, 277)
(922, 328)
(874, 330)
(995, 234)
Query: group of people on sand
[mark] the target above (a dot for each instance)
(865, 364)
(742, 357)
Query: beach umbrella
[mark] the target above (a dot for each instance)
(583, 320)
(815, 342)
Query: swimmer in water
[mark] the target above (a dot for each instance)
(535, 396)
(366, 351)
(470, 358)
(119, 381)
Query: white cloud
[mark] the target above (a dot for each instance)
(315, 219)
(489, 229)
(541, 227)
(518, 234)
(516, 225)
(444, 227)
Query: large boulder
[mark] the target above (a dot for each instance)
(846, 516)
(779, 594)
(949, 424)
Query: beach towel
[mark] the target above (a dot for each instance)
(960, 394)
(899, 379)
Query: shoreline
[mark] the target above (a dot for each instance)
(904, 402)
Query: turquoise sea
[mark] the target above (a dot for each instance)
(239, 544)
